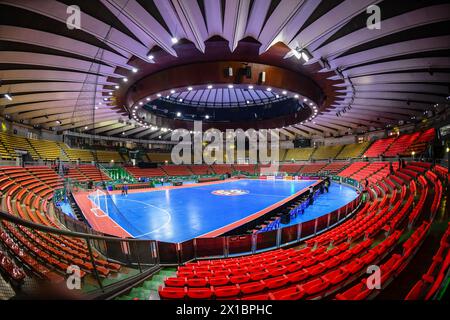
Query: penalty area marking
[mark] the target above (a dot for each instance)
(169, 216)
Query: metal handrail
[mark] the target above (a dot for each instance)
(40, 227)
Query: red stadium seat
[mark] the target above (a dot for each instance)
(172, 293)
(273, 283)
(226, 291)
(199, 293)
(252, 287)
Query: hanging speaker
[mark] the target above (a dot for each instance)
(248, 72)
(230, 71)
(263, 76)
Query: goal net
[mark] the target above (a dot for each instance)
(99, 202)
(274, 175)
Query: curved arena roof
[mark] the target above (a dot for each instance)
(61, 78)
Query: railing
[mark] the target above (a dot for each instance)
(128, 257)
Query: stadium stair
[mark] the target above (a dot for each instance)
(148, 290)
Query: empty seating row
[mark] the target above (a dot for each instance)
(44, 254)
(354, 150)
(379, 147)
(389, 269)
(145, 172)
(326, 152)
(428, 286)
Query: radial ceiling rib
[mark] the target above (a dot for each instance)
(400, 87)
(134, 131)
(392, 25)
(213, 16)
(255, 23)
(431, 63)
(53, 75)
(390, 51)
(287, 18)
(60, 43)
(51, 111)
(50, 86)
(316, 32)
(83, 124)
(54, 61)
(48, 105)
(49, 96)
(146, 28)
(191, 19)
(66, 117)
(123, 128)
(58, 11)
(235, 21)
(298, 131)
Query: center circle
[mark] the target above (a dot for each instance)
(230, 192)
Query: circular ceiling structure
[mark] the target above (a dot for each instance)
(227, 97)
(89, 77)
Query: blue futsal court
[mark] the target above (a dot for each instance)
(179, 214)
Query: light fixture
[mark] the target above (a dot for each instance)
(269, 89)
(150, 57)
(250, 87)
(110, 93)
(8, 96)
(172, 91)
(284, 92)
(210, 86)
(96, 108)
(58, 121)
(230, 86)
(190, 88)
(302, 54)
(148, 99)
(125, 79)
(296, 54)
(134, 70)
(178, 114)
(305, 56)
(207, 117)
(85, 128)
(181, 100)
(174, 40)
(140, 103)
(117, 87)
(158, 95)
(296, 96)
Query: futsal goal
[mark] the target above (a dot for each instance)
(99, 202)
(274, 175)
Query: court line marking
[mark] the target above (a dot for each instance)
(230, 226)
(96, 222)
(149, 205)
